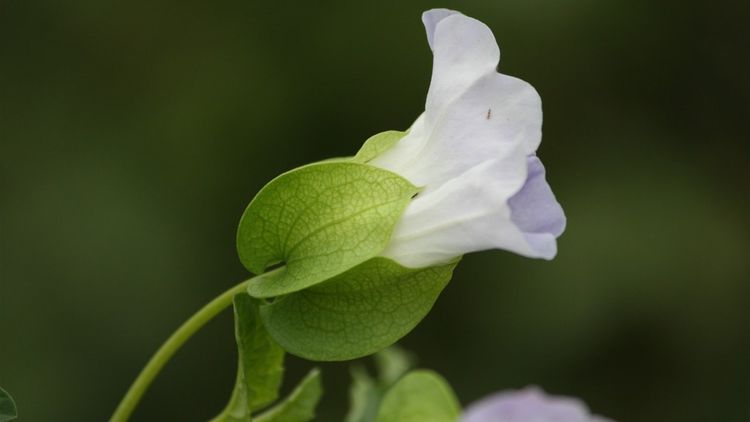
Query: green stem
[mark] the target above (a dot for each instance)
(168, 349)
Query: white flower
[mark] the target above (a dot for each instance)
(529, 405)
(473, 153)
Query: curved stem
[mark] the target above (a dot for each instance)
(167, 350)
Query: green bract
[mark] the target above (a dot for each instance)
(260, 372)
(8, 410)
(377, 144)
(319, 220)
(356, 313)
(326, 223)
(420, 396)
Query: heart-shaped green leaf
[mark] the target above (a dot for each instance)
(319, 220)
(301, 403)
(355, 313)
(8, 411)
(261, 363)
(420, 396)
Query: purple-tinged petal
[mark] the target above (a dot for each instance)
(529, 405)
(467, 214)
(536, 212)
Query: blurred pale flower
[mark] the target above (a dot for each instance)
(473, 152)
(529, 405)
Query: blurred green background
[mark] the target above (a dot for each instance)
(133, 134)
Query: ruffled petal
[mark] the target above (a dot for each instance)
(536, 212)
(530, 404)
(467, 214)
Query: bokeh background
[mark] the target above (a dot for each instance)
(133, 134)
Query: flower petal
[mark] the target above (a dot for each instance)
(536, 212)
(529, 405)
(464, 50)
(467, 214)
(472, 113)
(431, 18)
(497, 114)
(468, 151)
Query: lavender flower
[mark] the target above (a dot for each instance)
(529, 405)
(473, 153)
